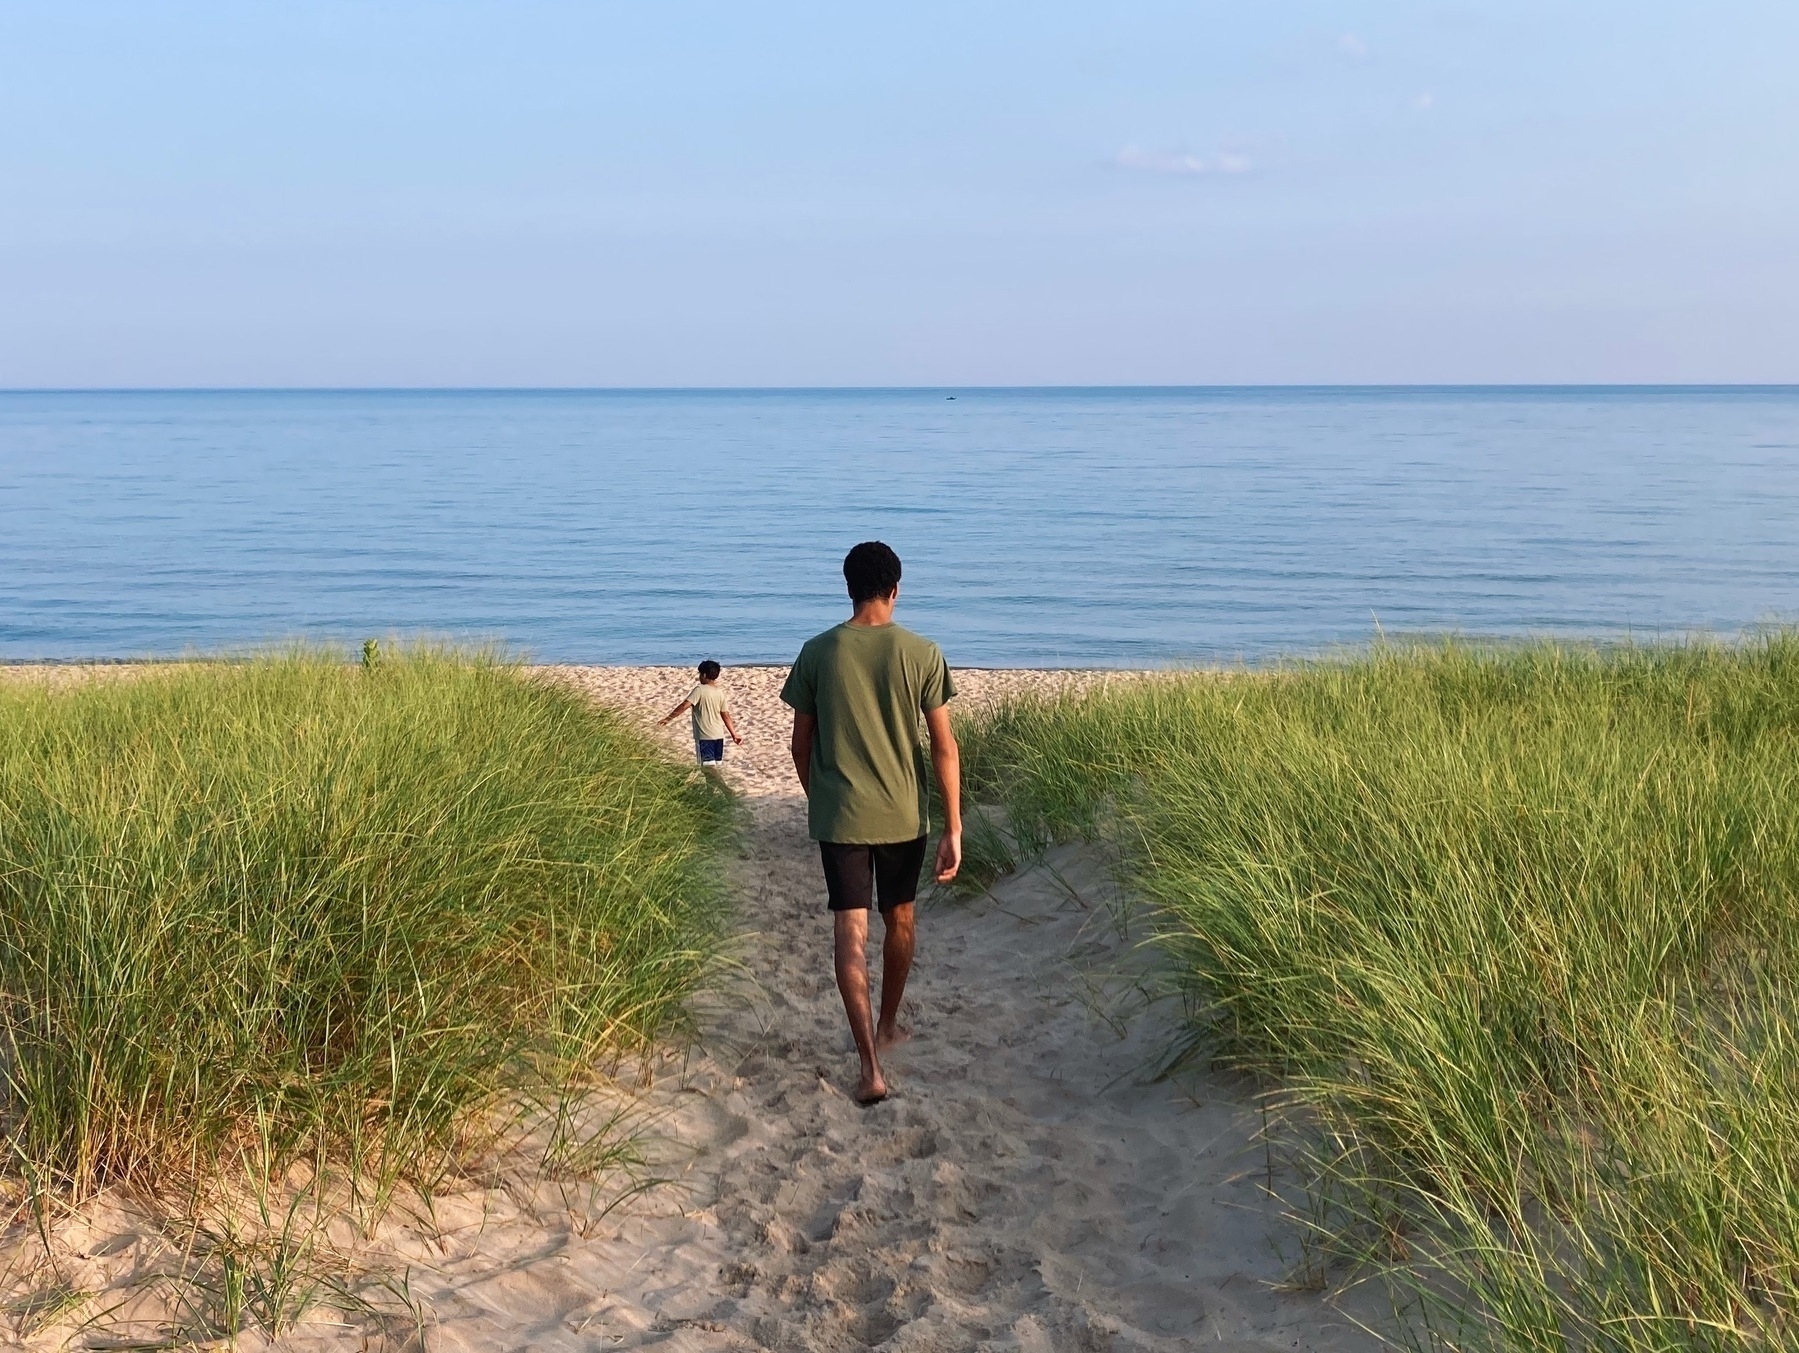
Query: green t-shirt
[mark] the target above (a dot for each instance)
(868, 686)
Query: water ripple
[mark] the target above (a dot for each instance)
(1039, 527)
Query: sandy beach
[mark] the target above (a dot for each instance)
(1027, 1185)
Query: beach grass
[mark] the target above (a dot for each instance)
(1515, 932)
(298, 907)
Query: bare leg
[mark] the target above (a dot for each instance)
(851, 933)
(896, 964)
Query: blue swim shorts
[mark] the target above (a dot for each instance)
(712, 750)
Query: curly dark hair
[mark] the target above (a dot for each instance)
(872, 570)
(709, 670)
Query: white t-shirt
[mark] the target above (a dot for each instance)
(709, 707)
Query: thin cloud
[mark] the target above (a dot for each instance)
(1158, 162)
(1425, 101)
(1352, 47)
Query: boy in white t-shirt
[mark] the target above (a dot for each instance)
(711, 716)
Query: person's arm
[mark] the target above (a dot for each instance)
(946, 761)
(730, 726)
(804, 726)
(679, 709)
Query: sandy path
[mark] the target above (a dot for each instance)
(1023, 1188)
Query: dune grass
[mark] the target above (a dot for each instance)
(298, 907)
(1518, 933)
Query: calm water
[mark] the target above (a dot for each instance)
(1075, 527)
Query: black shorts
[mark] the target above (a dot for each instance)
(855, 875)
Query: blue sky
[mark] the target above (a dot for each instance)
(538, 193)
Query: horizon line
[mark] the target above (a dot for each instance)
(891, 389)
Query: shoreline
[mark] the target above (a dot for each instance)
(64, 664)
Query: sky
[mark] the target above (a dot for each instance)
(535, 193)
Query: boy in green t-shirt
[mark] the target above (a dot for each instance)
(857, 692)
(711, 716)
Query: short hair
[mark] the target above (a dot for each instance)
(872, 570)
(709, 670)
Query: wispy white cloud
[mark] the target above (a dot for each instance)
(1352, 47)
(1160, 162)
(1424, 101)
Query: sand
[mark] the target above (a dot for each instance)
(762, 767)
(1026, 1186)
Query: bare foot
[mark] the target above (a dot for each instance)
(892, 1038)
(871, 1089)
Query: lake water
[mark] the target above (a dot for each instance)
(1038, 527)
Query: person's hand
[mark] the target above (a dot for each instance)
(949, 856)
(736, 739)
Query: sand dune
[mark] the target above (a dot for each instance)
(1021, 1189)
(1025, 1187)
